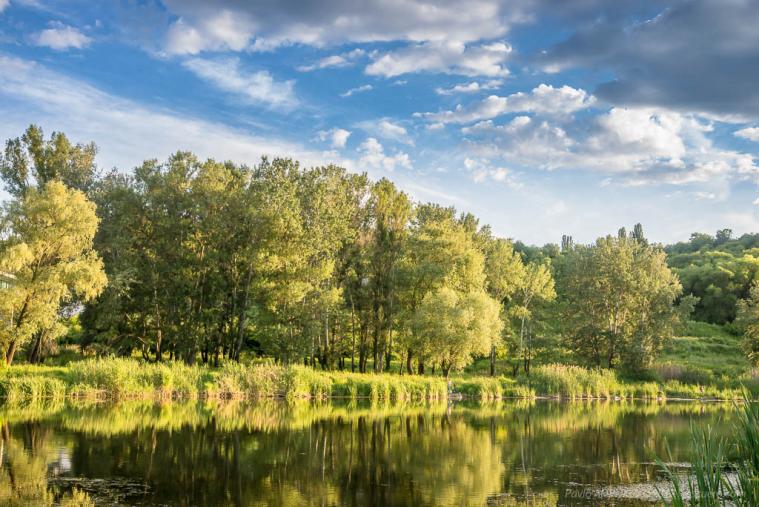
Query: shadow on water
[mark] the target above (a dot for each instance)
(276, 453)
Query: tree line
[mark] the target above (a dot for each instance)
(200, 260)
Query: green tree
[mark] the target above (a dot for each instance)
(504, 273)
(48, 247)
(534, 287)
(619, 302)
(748, 321)
(440, 252)
(457, 326)
(31, 161)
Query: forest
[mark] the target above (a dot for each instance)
(202, 261)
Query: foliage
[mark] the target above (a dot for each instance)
(748, 321)
(48, 248)
(619, 302)
(707, 484)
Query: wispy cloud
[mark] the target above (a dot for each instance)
(126, 131)
(358, 89)
(257, 87)
(332, 61)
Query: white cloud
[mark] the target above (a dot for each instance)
(483, 170)
(450, 57)
(750, 133)
(373, 155)
(257, 87)
(336, 136)
(544, 99)
(61, 37)
(342, 60)
(236, 25)
(640, 146)
(126, 131)
(218, 31)
(386, 129)
(472, 87)
(358, 89)
(4, 4)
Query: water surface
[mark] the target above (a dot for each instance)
(275, 453)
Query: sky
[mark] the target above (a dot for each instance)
(541, 117)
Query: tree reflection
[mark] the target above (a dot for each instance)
(212, 453)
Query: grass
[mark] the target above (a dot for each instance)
(708, 349)
(707, 484)
(131, 378)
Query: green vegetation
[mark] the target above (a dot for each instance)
(202, 268)
(703, 352)
(709, 483)
(130, 378)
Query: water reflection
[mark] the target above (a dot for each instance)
(214, 453)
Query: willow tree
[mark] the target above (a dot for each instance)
(440, 253)
(457, 326)
(48, 248)
(619, 302)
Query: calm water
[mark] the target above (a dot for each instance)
(203, 453)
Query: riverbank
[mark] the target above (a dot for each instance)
(129, 378)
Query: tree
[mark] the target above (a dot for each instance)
(748, 321)
(31, 161)
(637, 234)
(391, 210)
(440, 252)
(535, 286)
(457, 326)
(723, 236)
(48, 247)
(504, 273)
(619, 302)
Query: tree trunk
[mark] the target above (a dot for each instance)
(492, 361)
(409, 369)
(421, 366)
(11, 352)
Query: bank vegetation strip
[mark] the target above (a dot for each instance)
(130, 378)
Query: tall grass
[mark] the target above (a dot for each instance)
(130, 378)
(707, 483)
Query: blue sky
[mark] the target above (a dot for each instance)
(542, 117)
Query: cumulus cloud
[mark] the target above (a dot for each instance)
(639, 145)
(222, 30)
(342, 60)
(483, 170)
(336, 136)
(472, 87)
(61, 37)
(358, 89)
(373, 155)
(750, 133)
(257, 87)
(544, 99)
(450, 57)
(386, 129)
